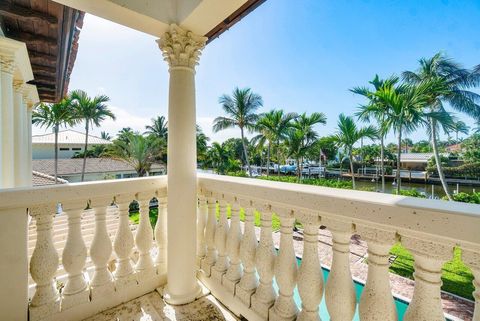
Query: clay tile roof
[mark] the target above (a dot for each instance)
(68, 137)
(73, 166)
(39, 179)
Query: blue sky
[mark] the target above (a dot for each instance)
(301, 56)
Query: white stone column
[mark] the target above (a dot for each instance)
(376, 302)
(429, 258)
(472, 259)
(339, 291)
(7, 120)
(310, 276)
(181, 49)
(19, 165)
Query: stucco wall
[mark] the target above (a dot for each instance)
(46, 151)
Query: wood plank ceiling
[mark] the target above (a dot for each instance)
(50, 31)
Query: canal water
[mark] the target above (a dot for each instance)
(427, 189)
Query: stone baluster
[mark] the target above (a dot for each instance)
(100, 252)
(285, 270)
(339, 291)
(44, 265)
(376, 302)
(234, 237)
(429, 256)
(161, 236)
(144, 237)
(248, 246)
(202, 213)
(123, 244)
(211, 257)
(264, 297)
(472, 259)
(74, 257)
(310, 276)
(222, 263)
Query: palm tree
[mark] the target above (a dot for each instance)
(460, 127)
(273, 127)
(476, 129)
(453, 81)
(348, 134)
(138, 151)
(377, 110)
(240, 109)
(403, 112)
(221, 158)
(202, 144)
(158, 128)
(92, 111)
(54, 116)
(304, 124)
(105, 135)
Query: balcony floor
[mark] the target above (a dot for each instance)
(151, 307)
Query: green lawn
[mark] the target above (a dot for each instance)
(457, 277)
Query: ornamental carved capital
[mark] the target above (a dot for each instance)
(181, 48)
(7, 64)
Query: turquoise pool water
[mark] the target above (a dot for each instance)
(401, 305)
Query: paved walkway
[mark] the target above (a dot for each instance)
(151, 307)
(401, 287)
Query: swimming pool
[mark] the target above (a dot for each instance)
(400, 304)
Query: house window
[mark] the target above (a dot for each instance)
(76, 148)
(64, 149)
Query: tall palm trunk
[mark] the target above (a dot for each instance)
(85, 152)
(382, 163)
(278, 158)
(399, 156)
(350, 157)
(433, 128)
(55, 128)
(245, 152)
(268, 159)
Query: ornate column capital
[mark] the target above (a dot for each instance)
(7, 64)
(181, 48)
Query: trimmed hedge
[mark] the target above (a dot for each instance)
(469, 170)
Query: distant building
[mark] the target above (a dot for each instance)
(455, 148)
(415, 161)
(69, 143)
(96, 169)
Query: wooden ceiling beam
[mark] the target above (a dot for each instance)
(45, 69)
(45, 79)
(33, 38)
(23, 13)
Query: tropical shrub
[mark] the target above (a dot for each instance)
(469, 170)
(473, 198)
(411, 193)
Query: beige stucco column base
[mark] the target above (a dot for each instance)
(181, 49)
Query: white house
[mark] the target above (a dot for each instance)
(69, 143)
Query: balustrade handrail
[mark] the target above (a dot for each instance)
(452, 221)
(31, 196)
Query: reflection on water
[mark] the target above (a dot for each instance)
(422, 188)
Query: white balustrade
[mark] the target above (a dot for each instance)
(74, 257)
(100, 252)
(144, 238)
(472, 259)
(123, 244)
(429, 258)
(310, 276)
(265, 295)
(234, 237)
(377, 301)
(44, 264)
(161, 236)
(248, 246)
(211, 257)
(202, 214)
(285, 270)
(222, 263)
